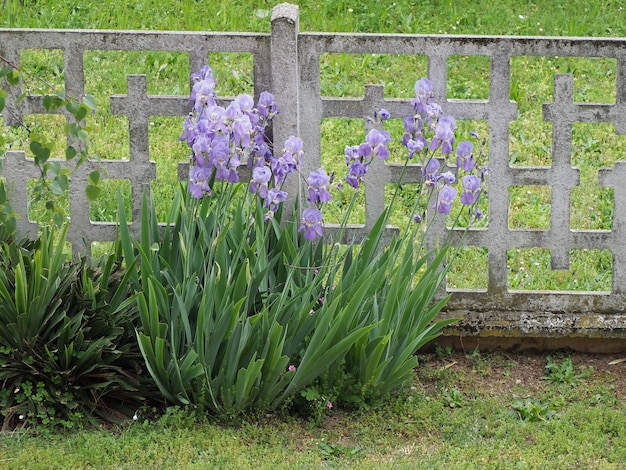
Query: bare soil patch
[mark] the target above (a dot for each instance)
(519, 374)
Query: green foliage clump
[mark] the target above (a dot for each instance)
(67, 347)
(533, 411)
(237, 313)
(561, 373)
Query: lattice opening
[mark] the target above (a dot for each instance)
(233, 72)
(101, 249)
(530, 207)
(167, 73)
(104, 209)
(590, 270)
(167, 151)
(468, 77)
(532, 82)
(43, 71)
(469, 270)
(347, 74)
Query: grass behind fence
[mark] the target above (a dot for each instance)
(594, 145)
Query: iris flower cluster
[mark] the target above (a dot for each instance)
(224, 139)
(426, 132)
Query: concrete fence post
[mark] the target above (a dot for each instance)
(286, 85)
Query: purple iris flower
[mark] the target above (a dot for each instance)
(376, 144)
(423, 94)
(189, 133)
(423, 88)
(352, 154)
(266, 105)
(205, 73)
(311, 223)
(447, 177)
(318, 181)
(261, 154)
(444, 135)
(445, 198)
(411, 124)
(413, 127)
(464, 156)
(383, 113)
(433, 112)
(221, 165)
(355, 172)
(431, 169)
(199, 181)
(241, 130)
(214, 118)
(261, 176)
(471, 193)
(246, 106)
(414, 147)
(200, 147)
(281, 168)
(218, 148)
(274, 198)
(203, 94)
(293, 150)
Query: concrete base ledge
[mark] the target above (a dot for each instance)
(497, 330)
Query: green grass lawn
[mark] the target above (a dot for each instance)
(463, 411)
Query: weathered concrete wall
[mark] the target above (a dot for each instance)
(287, 62)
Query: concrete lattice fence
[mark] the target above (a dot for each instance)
(287, 63)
